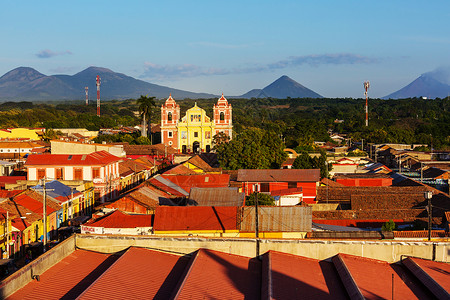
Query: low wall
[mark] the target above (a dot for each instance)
(390, 251)
(38, 266)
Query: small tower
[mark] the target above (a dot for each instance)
(223, 117)
(170, 115)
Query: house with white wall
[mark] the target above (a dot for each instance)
(102, 168)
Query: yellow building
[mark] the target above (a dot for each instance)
(33, 134)
(195, 131)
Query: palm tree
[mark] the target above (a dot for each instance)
(146, 104)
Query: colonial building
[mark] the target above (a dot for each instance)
(195, 131)
(102, 168)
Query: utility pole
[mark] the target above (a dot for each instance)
(428, 195)
(44, 210)
(45, 214)
(7, 235)
(256, 219)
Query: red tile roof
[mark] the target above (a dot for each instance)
(217, 275)
(289, 274)
(68, 278)
(143, 273)
(173, 218)
(434, 275)
(97, 158)
(278, 175)
(118, 219)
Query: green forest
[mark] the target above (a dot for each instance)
(297, 122)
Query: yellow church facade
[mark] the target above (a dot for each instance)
(195, 131)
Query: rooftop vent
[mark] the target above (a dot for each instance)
(70, 157)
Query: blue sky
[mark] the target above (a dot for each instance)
(331, 47)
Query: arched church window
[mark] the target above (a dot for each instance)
(169, 116)
(222, 116)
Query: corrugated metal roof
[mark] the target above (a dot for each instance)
(168, 186)
(291, 276)
(222, 196)
(143, 273)
(68, 278)
(118, 219)
(218, 275)
(434, 275)
(278, 175)
(373, 279)
(277, 219)
(173, 218)
(186, 182)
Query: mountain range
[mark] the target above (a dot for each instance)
(26, 83)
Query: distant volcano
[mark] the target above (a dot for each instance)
(432, 85)
(282, 88)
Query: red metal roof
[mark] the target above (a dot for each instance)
(171, 218)
(373, 279)
(9, 194)
(118, 219)
(68, 278)
(95, 158)
(161, 185)
(278, 175)
(217, 275)
(32, 204)
(143, 273)
(434, 275)
(289, 274)
(201, 180)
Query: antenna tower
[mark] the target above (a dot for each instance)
(86, 90)
(98, 95)
(366, 87)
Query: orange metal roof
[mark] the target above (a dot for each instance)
(218, 275)
(68, 278)
(96, 158)
(375, 279)
(434, 275)
(289, 274)
(143, 273)
(118, 219)
(171, 218)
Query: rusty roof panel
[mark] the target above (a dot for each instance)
(222, 196)
(170, 218)
(277, 219)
